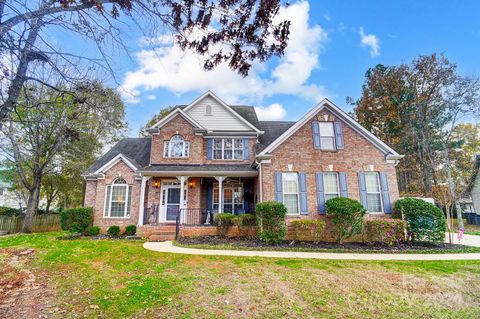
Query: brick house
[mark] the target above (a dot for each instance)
(209, 157)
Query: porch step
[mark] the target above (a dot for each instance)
(162, 233)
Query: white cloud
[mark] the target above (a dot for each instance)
(151, 97)
(372, 41)
(271, 113)
(166, 66)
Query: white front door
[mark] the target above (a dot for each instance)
(170, 201)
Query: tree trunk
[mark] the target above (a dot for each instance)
(47, 208)
(449, 223)
(32, 206)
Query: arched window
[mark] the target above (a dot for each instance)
(118, 199)
(176, 147)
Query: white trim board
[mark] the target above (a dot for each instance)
(115, 160)
(172, 115)
(228, 108)
(325, 103)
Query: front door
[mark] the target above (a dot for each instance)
(170, 200)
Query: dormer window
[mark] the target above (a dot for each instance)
(177, 147)
(208, 110)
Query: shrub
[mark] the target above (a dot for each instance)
(308, 230)
(76, 220)
(246, 225)
(271, 221)
(223, 221)
(9, 211)
(347, 217)
(93, 230)
(113, 231)
(388, 231)
(130, 230)
(425, 221)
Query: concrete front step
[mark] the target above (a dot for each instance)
(161, 237)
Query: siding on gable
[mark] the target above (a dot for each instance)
(220, 120)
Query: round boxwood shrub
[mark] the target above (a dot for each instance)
(271, 221)
(308, 230)
(245, 220)
(224, 221)
(76, 220)
(347, 217)
(130, 230)
(93, 230)
(113, 231)
(425, 221)
(387, 231)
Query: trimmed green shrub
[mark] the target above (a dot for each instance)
(9, 211)
(308, 230)
(224, 221)
(76, 220)
(425, 221)
(245, 220)
(113, 231)
(93, 230)
(271, 221)
(130, 230)
(347, 217)
(384, 230)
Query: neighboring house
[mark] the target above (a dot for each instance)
(209, 157)
(10, 198)
(472, 192)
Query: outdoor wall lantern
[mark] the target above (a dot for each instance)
(191, 184)
(156, 183)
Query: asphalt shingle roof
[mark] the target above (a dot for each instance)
(199, 168)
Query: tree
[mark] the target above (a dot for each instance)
(47, 127)
(151, 122)
(415, 108)
(237, 32)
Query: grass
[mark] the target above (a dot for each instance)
(413, 250)
(120, 279)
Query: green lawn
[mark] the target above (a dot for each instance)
(120, 279)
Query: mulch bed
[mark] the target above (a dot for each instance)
(296, 245)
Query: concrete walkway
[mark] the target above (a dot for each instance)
(168, 247)
(469, 240)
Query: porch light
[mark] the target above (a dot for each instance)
(156, 183)
(191, 184)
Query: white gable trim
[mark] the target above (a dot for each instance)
(216, 98)
(115, 160)
(325, 103)
(172, 115)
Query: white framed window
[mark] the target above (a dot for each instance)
(290, 193)
(374, 196)
(331, 186)
(228, 149)
(118, 199)
(327, 135)
(176, 147)
(232, 197)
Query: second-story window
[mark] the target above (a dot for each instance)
(228, 149)
(176, 147)
(327, 136)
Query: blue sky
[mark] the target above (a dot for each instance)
(327, 57)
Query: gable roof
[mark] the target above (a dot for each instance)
(273, 129)
(136, 151)
(347, 119)
(226, 106)
(171, 115)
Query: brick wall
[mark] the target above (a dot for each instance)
(198, 145)
(299, 151)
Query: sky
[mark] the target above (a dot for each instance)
(332, 44)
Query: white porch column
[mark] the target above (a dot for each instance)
(220, 180)
(141, 206)
(183, 205)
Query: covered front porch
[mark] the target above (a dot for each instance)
(192, 197)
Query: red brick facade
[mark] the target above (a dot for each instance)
(357, 156)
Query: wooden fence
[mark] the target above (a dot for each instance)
(41, 223)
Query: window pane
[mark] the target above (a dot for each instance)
(227, 154)
(227, 195)
(326, 129)
(290, 183)
(374, 203)
(329, 196)
(129, 200)
(118, 209)
(215, 195)
(238, 142)
(217, 154)
(217, 143)
(176, 149)
(238, 195)
(327, 143)
(187, 148)
(107, 200)
(165, 148)
(291, 203)
(227, 144)
(227, 208)
(330, 182)
(118, 193)
(371, 182)
(239, 154)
